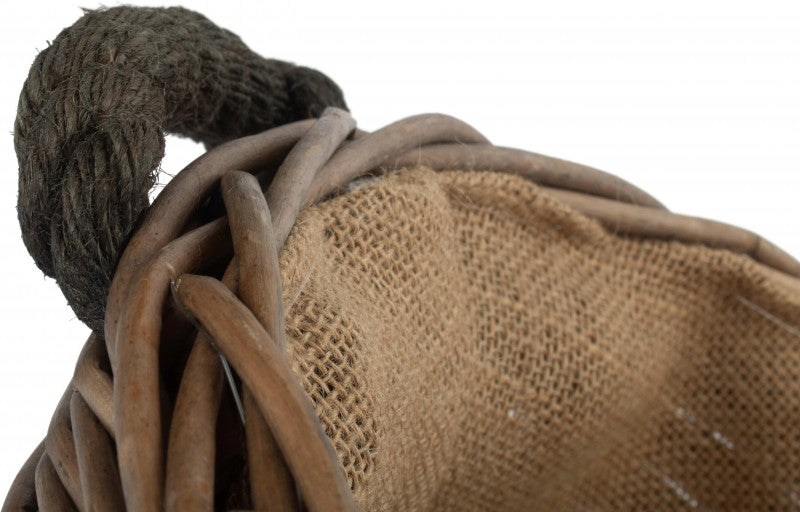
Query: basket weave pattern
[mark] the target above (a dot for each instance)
(428, 341)
(471, 343)
(320, 318)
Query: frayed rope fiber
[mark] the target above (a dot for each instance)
(89, 133)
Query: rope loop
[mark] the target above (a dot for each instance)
(89, 133)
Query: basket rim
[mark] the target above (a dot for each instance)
(318, 158)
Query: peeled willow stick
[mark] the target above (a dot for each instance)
(652, 223)
(541, 169)
(60, 447)
(94, 384)
(298, 172)
(271, 482)
(173, 207)
(97, 462)
(281, 399)
(192, 441)
(382, 147)
(52, 495)
(138, 292)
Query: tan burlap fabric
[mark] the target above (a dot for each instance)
(472, 344)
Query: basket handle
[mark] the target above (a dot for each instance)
(89, 133)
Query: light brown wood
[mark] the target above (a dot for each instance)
(271, 481)
(541, 169)
(192, 443)
(137, 395)
(97, 462)
(296, 174)
(60, 448)
(280, 397)
(173, 207)
(94, 384)
(281, 427)
(52, 497)
(636, 220)
(382, 147)
(260, 289)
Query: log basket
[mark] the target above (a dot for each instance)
(151, 421)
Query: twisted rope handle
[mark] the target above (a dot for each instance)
(89, 133)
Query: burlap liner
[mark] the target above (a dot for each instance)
(470, 343)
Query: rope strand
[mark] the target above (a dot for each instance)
(89, 133)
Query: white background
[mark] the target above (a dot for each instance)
(696, 102)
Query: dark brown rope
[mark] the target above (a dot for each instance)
(90, 126)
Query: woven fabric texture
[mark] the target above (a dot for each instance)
(469, 343)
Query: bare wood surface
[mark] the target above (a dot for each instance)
(297, 172)
(382, 147)
(94, 384)
(97, 462)
(137, 402)
(172, 208)
(192, 443)
(649, 222)
(271, 481)
(280, 397)
(541, 169)
(60, 448)
(51, 494)
(260, 289)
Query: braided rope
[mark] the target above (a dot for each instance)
(89, 132)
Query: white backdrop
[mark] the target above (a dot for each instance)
(696, 102)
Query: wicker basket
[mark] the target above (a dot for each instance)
(622, 358)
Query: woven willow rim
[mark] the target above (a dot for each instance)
(105, 448)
